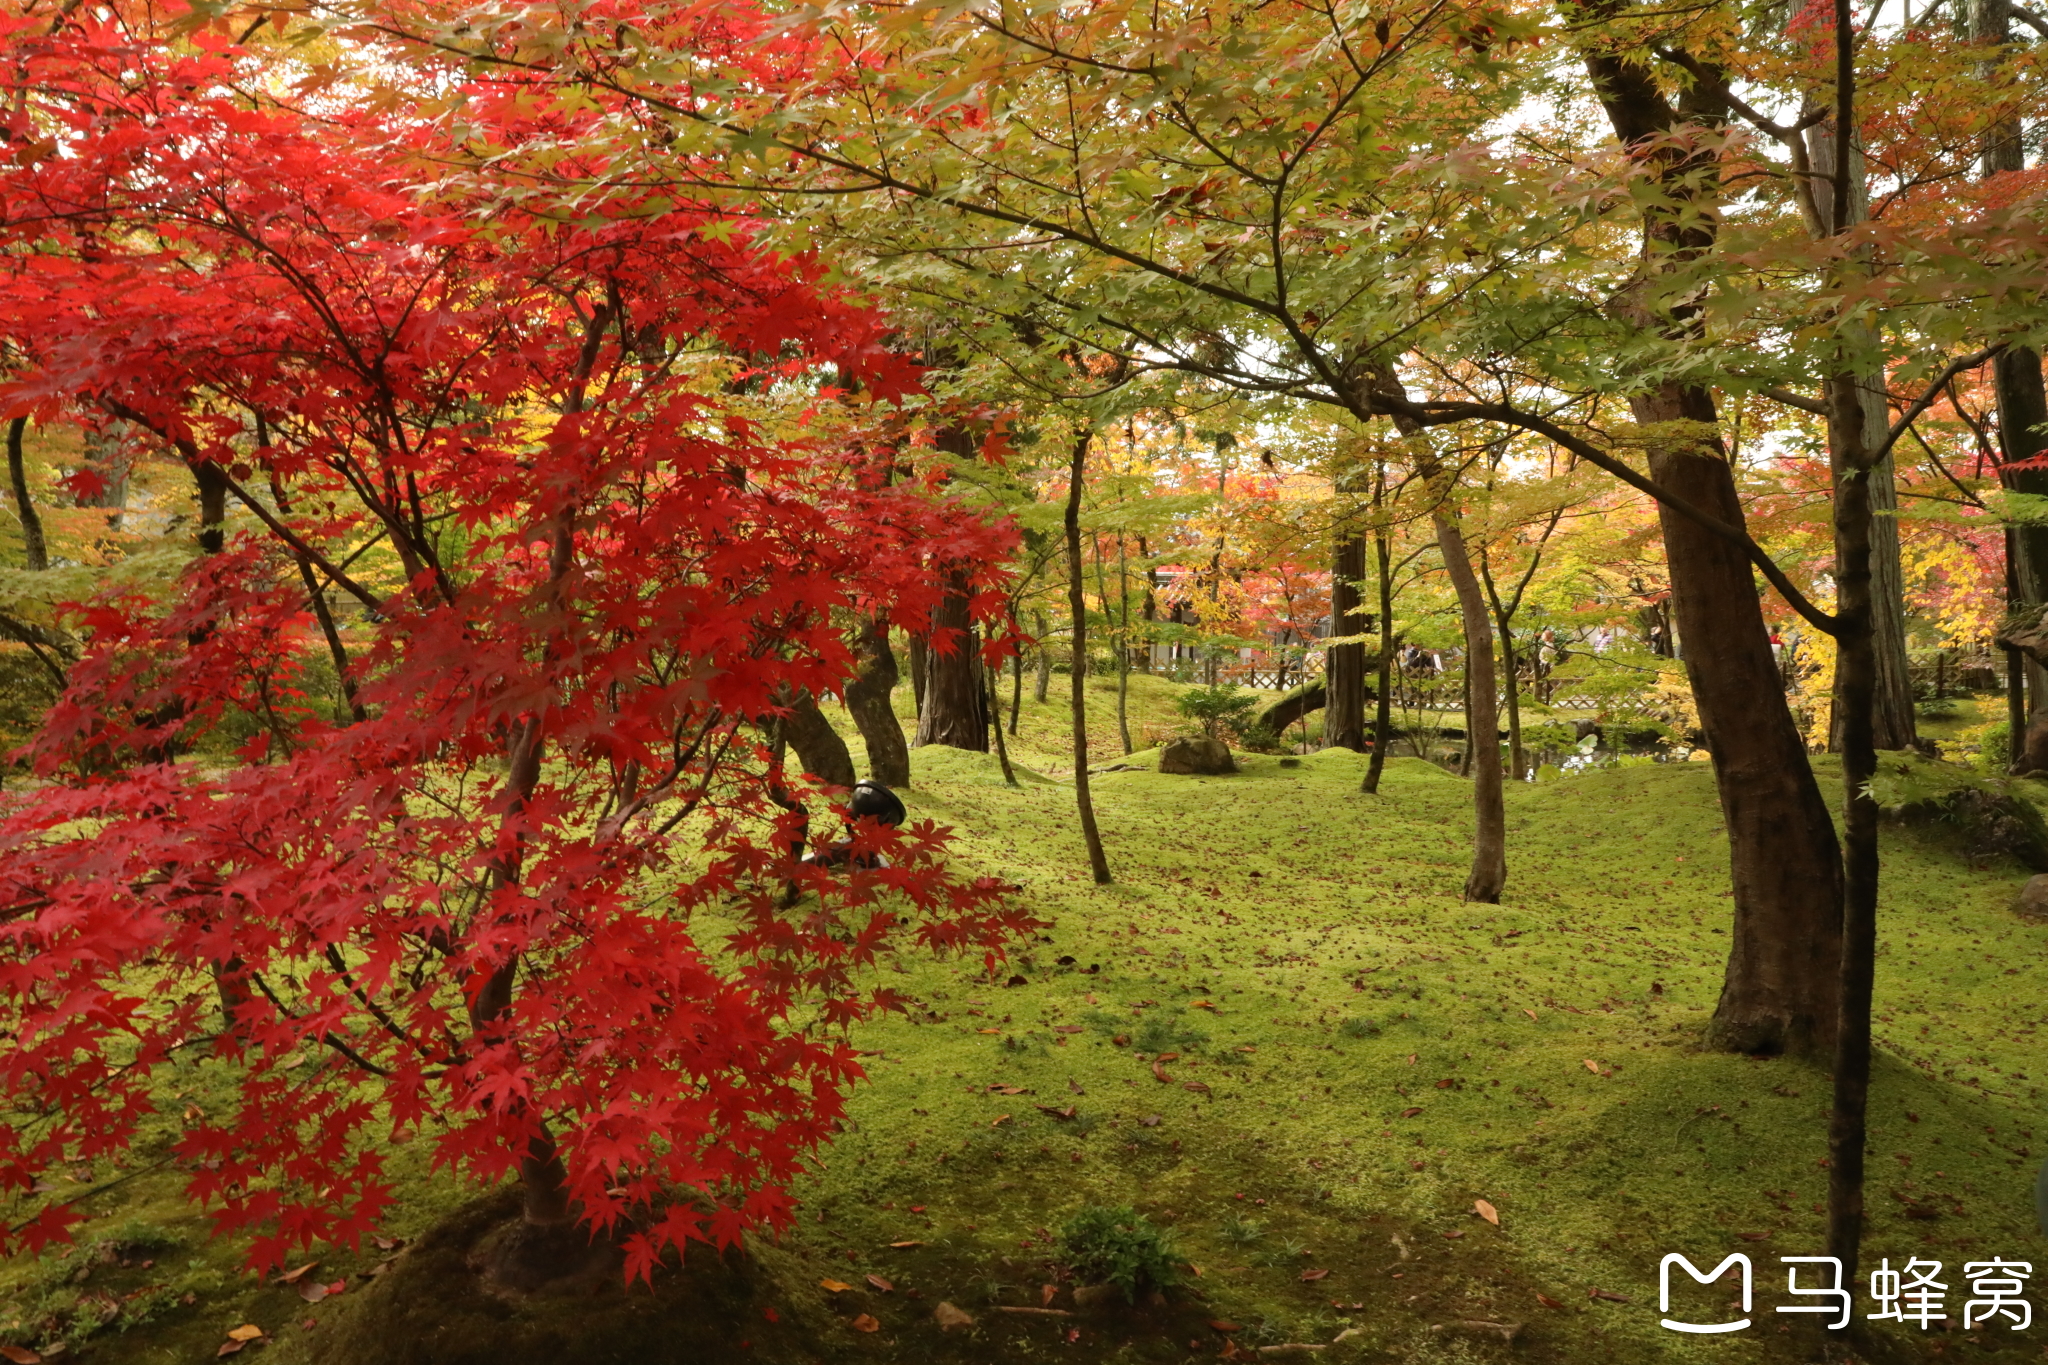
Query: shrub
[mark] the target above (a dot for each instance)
(1218, 708)
(1116, 1245)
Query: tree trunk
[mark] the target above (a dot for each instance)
(995, 710)
(1892, 715)
(874, 715)
(1016, 690)
(1782, 989)
(1383, 709)
(1856, 673)
(36, 553)
(1489, 875)
(1123, 648)
(1344, 666)
(818, 746)
(1098, 861)
(954, 711)
(1043, 683)
(1511, 688)
(920, 655)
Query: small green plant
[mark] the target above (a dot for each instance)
(1105, 1244)
(1163, 1032)
(1359, 1028)
(1935, 708)
(1219, 708)
(1241, 1231)
(1286, 1252)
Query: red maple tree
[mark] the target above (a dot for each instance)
(529, 897)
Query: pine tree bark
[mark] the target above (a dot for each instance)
(955, 707)
(1344, 665)
(874, 714)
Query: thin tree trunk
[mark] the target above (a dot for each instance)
(920, 655)
(1123, 648)
(1465, 707)
(1344, 665)
(1511, 688)
(995, 708)
(1043, 682)
(1856, 670)
(955, 708)
(1383, 709)
(1098, 861)
(1016, 690)
(874, 714)
(1489, 873)
(316, 595)
(1892, 716)
(36, 553)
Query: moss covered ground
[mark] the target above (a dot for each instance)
(1282, 1037)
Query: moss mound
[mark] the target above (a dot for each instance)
(431, 1308)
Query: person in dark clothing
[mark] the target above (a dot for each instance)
(871, 800)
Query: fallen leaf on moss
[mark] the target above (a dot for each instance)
(834, 1286)
(1411, 1113)
(248, 1331)
(1486, 1211)
(1611, 1298)
(865, 1323)
(901, 1245)
(948, 1317)
(1592, 1066)
(294, 1276)
(999, 1120)
(20, 1355)
(1311, 1276)
(878, 1282)
(1225, 1326)
(1548, 1302)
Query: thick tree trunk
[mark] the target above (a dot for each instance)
(1782, 989)
(1344, 668)
(1098, 861)
(35, 551)
(1489, 875)
(874, 715)
(954, 711)
(1781, 992)
(818, 747)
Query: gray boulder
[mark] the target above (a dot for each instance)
(2033, 897)
(1202, 757)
